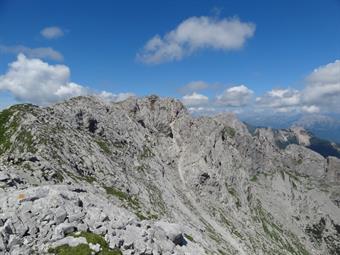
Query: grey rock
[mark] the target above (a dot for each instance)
(126, 170)
(4, 177)
(70, 241)
(60, 215)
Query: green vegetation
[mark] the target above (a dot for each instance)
(131, 201)
(25, 141)
(141, 168)
(148, 216)
(84, 249)
(277, 234)
(146, 153)
(233, 192)
(228, 132)
(230, 226)
(156, 199)
(27, 166)
(222, 252)
(9, 125)
(58, 176)
(7, 129)
(295, 176)
(103, 145)
(253, 178)
(190, 238)
(122, 196)
(81, 249)
(92, 238)
(89, 179)
(77, 178)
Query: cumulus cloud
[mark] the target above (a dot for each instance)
(52, 32)
(321, 93)
(310, 109)
(329, 73)
(236, 96)
(43, 53)
(282, 100)
(195, 99)
(196, 33)
(37, 82)
(323, 87)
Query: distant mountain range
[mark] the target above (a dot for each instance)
(323, 126)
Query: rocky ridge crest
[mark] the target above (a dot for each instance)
(143, 176)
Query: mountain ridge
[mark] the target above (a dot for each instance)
(166, 182)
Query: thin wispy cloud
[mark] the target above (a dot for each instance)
(194, 34)
(108, 96)
(193, 86)
(41, 52)
(52, 32)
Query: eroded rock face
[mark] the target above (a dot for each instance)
(151, 179)
(333, 170)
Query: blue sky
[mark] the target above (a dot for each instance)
(100, 42)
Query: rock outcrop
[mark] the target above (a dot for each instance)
(143, 176)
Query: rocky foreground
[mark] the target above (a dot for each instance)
(145, 177)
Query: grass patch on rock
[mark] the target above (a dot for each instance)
(189, 237)
(103, 145)
(84, 249)
(284, 240)
(8, 126)
(228, 132)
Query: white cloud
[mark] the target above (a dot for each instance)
(196, 33)
(235, 96)
(195, 99)
(321, 93)
(282, 100)
(44, 53)
(37, 82)
(108, 96)
(201, 110)
(329, 73)
(52, 32)
(71, 89)
(323, 87)
(310, 109)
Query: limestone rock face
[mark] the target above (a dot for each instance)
(333, 170)
(143, 176)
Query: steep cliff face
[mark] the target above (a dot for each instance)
(145, 177)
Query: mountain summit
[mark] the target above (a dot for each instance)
(143, 176)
